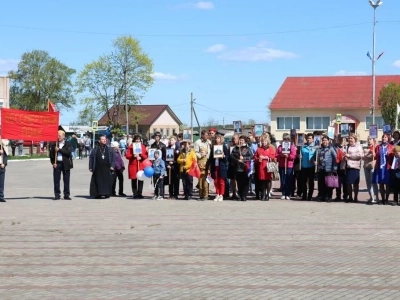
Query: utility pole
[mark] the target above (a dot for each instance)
(191, 115)
(126, 97)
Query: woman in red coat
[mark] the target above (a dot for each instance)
(136, 164)
(264, 154)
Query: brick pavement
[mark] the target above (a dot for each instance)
(141, 249)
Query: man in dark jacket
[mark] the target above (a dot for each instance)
(61, 160)
(3, 164)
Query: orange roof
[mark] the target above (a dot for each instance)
(349, 92)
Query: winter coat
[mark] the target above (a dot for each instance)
(135, 165)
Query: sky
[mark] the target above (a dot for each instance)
(232, 55)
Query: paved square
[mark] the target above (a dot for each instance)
(142, 249)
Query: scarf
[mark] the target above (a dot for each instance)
(382, 155)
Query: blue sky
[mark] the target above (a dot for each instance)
(233, 55)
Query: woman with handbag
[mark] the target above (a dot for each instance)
(353, 158)
(265, 166)
(369, 165)
(384, 158)
(326, 166)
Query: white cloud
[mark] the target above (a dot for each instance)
(396, 64)
(167, 76)
(349, 73)
(260, 52)
(216, 48)
(8, 65)
(204, 5)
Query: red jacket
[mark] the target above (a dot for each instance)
(262, 166)
(289, 160)
(134, 164)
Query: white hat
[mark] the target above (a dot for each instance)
(114, 144)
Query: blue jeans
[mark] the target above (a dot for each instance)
(371, 187)
(286, 181)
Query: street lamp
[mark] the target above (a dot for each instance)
(374, 6)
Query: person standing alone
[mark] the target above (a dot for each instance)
(61, 160)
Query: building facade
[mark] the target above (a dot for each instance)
(144, 120)
(310, 104)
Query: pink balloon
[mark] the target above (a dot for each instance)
(146, 163)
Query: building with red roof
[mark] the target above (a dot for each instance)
(143, 119)
(310, 104)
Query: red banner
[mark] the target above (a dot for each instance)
(29, 125)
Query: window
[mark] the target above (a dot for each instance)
(318, 123)
(378, 120)
(287, 123)
(154, 130)
(141, 131)
(173, 131)
(162, 131)
(167, 132)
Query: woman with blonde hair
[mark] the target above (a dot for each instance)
(353, 158)
(263, 155)
(369, 165)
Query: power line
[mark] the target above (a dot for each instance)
(196, 35)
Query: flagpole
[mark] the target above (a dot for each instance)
(373, 68)
(373, 59)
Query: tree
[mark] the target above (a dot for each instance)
(211, 122)
(389, 97)
(41, 77)
(116, 79)
(251, 122)
(86, 116)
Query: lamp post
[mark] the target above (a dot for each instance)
(373, 59)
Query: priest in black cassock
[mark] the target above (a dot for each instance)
(101, 164)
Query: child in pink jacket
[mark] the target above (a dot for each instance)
(285, 161)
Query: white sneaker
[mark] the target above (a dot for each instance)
(154, 198)
(271, 194)
(283, 198)
(221, 198)
(287, 198)
(160, 198)
(216, 198)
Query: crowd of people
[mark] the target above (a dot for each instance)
(248, 167)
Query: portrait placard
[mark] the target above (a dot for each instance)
(170, 154)
(237, 126)
(218, 151)
(286, 147)
(137, 148)
(373, 131)
(258, 130)
(300, 139)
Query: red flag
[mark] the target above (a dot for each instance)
(51, 107)
(29, 125)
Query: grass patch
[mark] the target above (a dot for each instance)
(33, 156)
